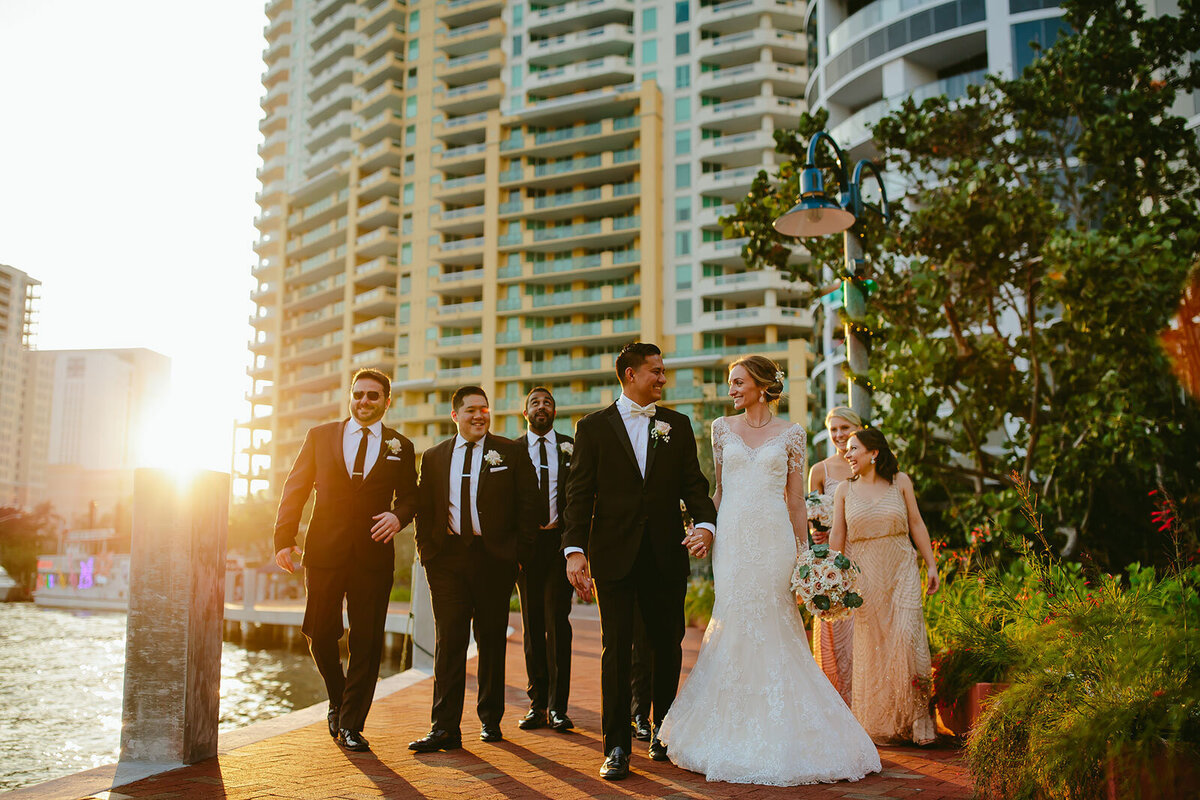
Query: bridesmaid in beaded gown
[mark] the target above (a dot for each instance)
(875, 513)
(833, 642)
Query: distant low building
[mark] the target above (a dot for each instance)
(86, 573)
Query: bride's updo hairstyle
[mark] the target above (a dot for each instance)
(765, 373)
(885, 460)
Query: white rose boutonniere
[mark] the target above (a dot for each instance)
(394, 445)
(493, 458)
(567, 448)
(661, 432)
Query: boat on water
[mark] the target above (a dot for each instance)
(88, 574)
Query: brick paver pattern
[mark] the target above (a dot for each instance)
(306, 763)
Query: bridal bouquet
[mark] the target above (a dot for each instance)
(820, 510)
(824, 582)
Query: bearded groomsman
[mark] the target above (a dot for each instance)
(543, 585)
(366, 482)
(476, 519)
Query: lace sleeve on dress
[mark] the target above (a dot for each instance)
(795, 441)
(718, 438)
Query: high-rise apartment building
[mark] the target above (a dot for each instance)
(23, 391)
(504, 193)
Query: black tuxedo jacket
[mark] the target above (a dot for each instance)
(339, 534)
(506, 500)
(610, 506)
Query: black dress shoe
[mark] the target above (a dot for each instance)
(533, 720)
(616, 766)
(560, 722)
(352, 740)
(332, 718)
(436, 740)
(490, 733)
(658, 750)
(641, 728)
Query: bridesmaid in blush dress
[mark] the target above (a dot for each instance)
(875, 514)
(833, 642)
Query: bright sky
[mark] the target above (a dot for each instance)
(127, 158)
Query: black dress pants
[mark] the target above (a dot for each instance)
(656, 597)
(469, 589)
(545, 617)
(366, 596)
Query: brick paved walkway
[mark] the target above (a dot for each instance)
(305, 763)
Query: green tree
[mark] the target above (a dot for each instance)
(23, 536)
(1046, 236)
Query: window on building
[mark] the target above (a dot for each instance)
(683, 176)
(683, 312)
(518, 14)
(650, 51)
(649, 20)
(409, 195)
(410, 165)
(517, 42)
(683, 276)
(683, 76)
(414, 49)
(683, 109)
(683, 208)
(410, 106)
(410, 135)
(683, 143)
(683, 44)
(682, 11)
(1042, 31)
(683, 243)
(517, 76)
(406, 253)
(414, 21)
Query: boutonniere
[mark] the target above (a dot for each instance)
(493, 458)
(567, 448)
(661, 432)
(394, 445)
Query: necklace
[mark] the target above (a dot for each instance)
(769, 418)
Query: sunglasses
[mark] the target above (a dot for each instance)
(372, 396)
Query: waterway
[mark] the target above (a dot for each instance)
(61, 681)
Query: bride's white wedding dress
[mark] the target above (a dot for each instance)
(756, 708)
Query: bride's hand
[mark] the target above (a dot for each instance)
(932, 583)
(698, 541)
(819, 537)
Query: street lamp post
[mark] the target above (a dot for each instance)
(817, 214)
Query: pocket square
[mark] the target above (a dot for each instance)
(497, 469)
(393, 458)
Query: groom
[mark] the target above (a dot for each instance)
(633, 463)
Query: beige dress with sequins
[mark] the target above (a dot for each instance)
(891, 646)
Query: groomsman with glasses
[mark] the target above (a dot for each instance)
(543, 585)
(365, 479)
(476, 520)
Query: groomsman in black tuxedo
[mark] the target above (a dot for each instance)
(476, 519)
(633, 464)
(543, 585)
(366, 482)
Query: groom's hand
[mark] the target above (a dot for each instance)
(580, 576)
(283, 558)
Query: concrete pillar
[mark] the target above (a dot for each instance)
(173, 644)
(421, 607)
(250, 590)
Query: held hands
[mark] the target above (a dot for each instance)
(580, 576)
(386, 526)
(819, 537)
(932, 583)
(698, 541)
(284, 558)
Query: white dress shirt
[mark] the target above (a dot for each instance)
(351, 436)
(638, 428)
(535, 456)
(456, 471)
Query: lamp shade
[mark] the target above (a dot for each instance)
(816, 214)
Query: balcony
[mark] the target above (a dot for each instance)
(330, 78)
(384, 211)
(595, 266)
(613, 39)
(596, 300)
(725, 251)
(461, 157)
(379, 271)
(744, 287)
(313, 377)
(747, 113)
(381, 154)
(470, 68)
(460, 313)
(581, 77)
(468, 128)
(471, 98)
(379, 242)
(596, 234)
(755, 319)
(578, 15)
(387, 124)
(740, 48)
(336, 127)
(585, 333)
(387, 39)
(471, 38)
(388, 95)
(388, 67)
(316, 295)
(382, 358)
(462, 189)
(745, 80)
(318, 239)
(737, 15)
(737, 149)
(384, 182)
(318, 321)
(388, 12)
(458, 374)
(380, 301)
(344, 19)
(341, 99)
(460, 221)
(319, 266)
(329, 159)
(378, 331)
(464, 281)
(309, 216)
(608, 200)
(619, 166)
(340, 46)
(567, 109)
(315, 349)
(458, 13)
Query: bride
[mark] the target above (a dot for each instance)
(756, 708)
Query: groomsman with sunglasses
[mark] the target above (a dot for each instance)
(366, 485)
